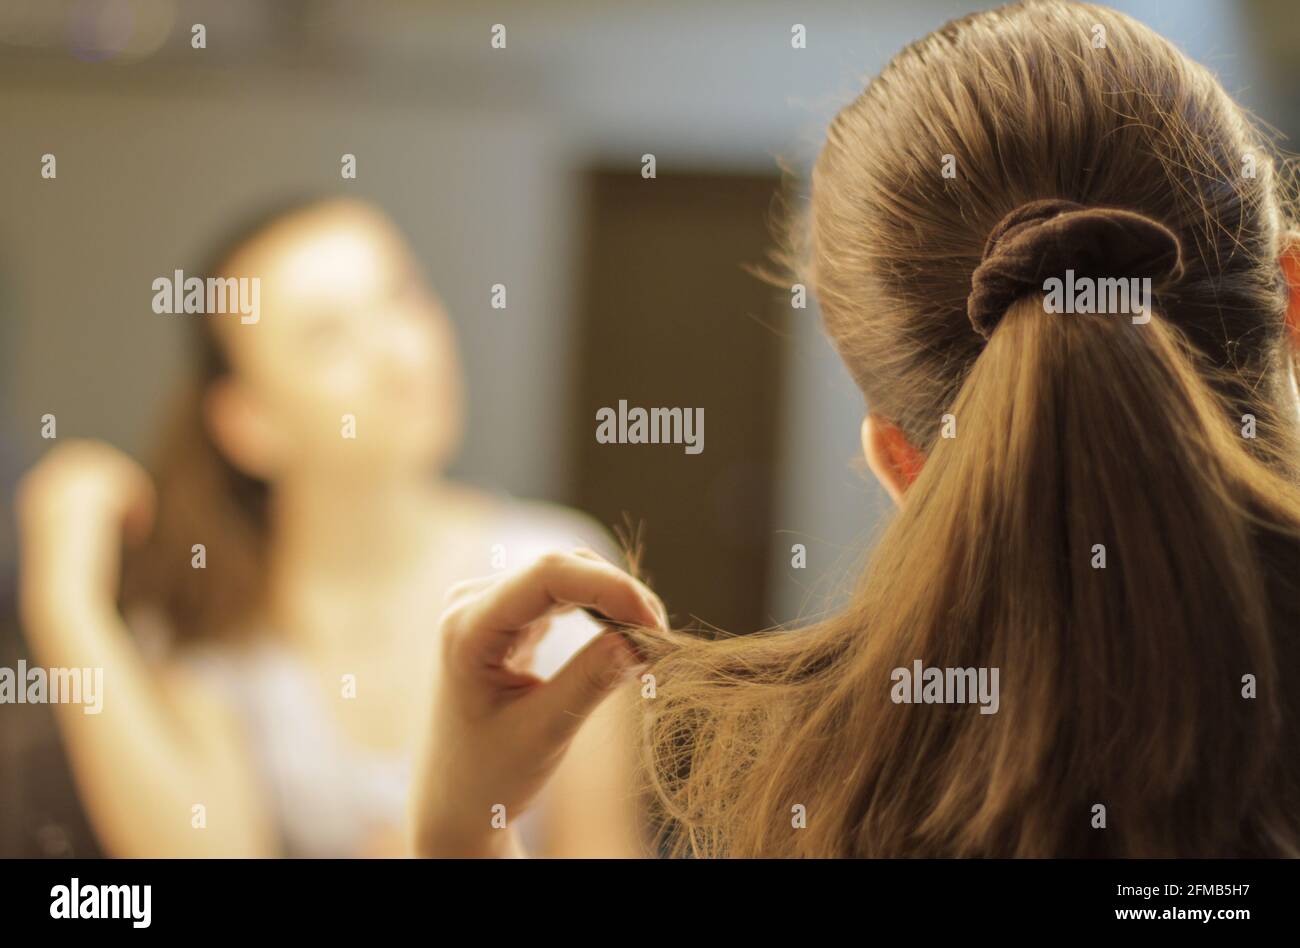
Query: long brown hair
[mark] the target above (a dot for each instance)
(202, 498)
(1123, 687)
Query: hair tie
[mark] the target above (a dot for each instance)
(1044, 238)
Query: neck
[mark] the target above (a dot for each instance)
(334, 541)
(349, 529)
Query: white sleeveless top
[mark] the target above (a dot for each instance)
(329, 796)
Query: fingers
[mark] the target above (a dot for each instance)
(73, 509)
(525, 650)
(75, 504)
(595, 672)
(86, 479)
(658, 603)
(490, 621)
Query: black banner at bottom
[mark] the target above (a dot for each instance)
(330, 898)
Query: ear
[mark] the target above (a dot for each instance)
(241, 429)
(890, 456)
(1290, 260)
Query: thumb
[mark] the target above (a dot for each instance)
(593, 674)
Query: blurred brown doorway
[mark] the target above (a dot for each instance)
(671, 318)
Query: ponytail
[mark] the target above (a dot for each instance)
(202, 570)
(1097, 533)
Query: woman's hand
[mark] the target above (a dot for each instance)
(499, 732)
(73, 509)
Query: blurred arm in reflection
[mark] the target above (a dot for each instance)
(297, 645)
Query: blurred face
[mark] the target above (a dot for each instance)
(352, 367)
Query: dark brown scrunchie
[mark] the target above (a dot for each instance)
(1043, 239)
